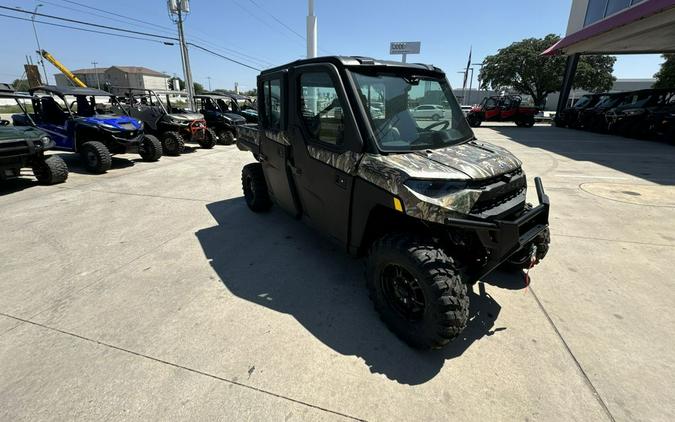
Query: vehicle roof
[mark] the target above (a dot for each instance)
(7, 91)
(156, 91)
(214, 95)
(355, 62)
(71, 90)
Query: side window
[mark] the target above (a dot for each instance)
(272, 104)
(321, 109)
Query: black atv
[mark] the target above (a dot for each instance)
(173, 125)
(25, 146)
(432, 208)
(215, 108)
(80, 120)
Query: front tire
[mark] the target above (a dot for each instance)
(226, 137)
(172, 143)
(417, 290)
(150, 149)
(51, 170)
(209, 140)
(255, 188)
(473, 120)
(96, 157)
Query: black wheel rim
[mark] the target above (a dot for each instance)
(403, 292)
(91, 158)
(170, 144)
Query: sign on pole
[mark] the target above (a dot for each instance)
(404, 48)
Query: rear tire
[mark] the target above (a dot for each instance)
(172, 143)
(96, 157)
(417, 290)
(226, 137)
(150, 148)
(51, 170)
(209, 140)
(255, 188)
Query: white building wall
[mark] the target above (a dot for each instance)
(577, 16)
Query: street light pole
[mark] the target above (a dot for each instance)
(37, 41)
(209, 78)
(311, 30)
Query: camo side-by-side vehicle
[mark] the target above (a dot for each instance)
(173, 125)
(433, 208)
(25, 146)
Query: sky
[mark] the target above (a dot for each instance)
(263, 33)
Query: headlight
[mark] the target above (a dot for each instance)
(435, 188)
(634, 112)
(180, 122)
(107, 126)
(47, 142)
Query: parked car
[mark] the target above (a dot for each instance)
(429, 111)
(661, 121)
(26, 146)
(79, 120)
(506, 108)
(218, 117)
(569, 116)
(173, 125)
(432, 208)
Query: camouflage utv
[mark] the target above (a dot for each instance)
(432, 208)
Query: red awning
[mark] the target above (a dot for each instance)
(648, 27)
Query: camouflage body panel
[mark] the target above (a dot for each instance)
(347, 161)
(278, 137)
(470, 161)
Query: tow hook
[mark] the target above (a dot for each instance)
(533, 262)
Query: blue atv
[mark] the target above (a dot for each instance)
(79, 120)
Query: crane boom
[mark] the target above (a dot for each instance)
(62, 68)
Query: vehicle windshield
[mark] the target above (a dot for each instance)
(410, 112)
(583, 101)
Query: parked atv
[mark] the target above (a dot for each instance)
(25, 146)
(593, 118)
(506, 108)
(214, 108)
(633, 115)
(434, 209)
(173, 125)
(240, 105)
(569, 117)
(79, 120)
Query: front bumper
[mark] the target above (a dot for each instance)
(504, 237)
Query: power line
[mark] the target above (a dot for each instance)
(221, 56)
(147, 34)
(157, 26)
(116, 29)
(278, 20)
(86, 30)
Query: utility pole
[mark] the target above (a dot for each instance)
(209, 78)
(311, 30)
(178, 8)
(37, 41)
(98, 81)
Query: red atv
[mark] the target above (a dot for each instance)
(502, 109)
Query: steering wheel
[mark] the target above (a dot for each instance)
(4, 122)
(445, 124)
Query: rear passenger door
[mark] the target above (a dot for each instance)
(274, 144)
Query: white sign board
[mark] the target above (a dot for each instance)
(409, 47)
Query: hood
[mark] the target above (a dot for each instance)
(118, 122)
(20, 132)
(471, 160)
(234, 117)
(186, 116)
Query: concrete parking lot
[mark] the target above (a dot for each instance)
(151, 292)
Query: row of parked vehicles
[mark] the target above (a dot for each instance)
(97, 124)
(647, 113)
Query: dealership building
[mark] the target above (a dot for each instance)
(614, 27)
(122, 76)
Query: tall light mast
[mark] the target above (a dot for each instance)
(311, 30)
(178, 8)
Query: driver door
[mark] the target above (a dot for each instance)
(325, 143)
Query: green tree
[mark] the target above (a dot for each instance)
(199, 88)
(665, 77)
(21, 84)
(521, 67)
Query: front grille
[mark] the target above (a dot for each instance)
(497, 191)
(14, 148)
